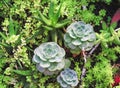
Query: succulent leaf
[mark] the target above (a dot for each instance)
(51, 10)
(76, 42)
(37, 51)
(41, 69)
(44, 64)
(61, 65)
(78, 36)
(71, 33)
(67, 38)
(53, 67)
(62, 23)
(67, 63)
(63, 84)
(36, 59)
(44, 19)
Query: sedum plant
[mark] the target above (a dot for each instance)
(68, 78)
(79, 36)
(49, 58)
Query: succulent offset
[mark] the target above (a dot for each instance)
(79, 36)
(49, 58)
(68, 78)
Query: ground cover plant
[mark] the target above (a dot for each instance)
(59, 44)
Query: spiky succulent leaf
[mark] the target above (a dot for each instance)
(44, 19)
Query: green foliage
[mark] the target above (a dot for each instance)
(51, 23)
(25, 24)
(108, 36)
(101, 71)
(107, 1)
(22, 72)
(53, 85)
(117, 86)
(11, 39)
(100, 75)
(77, 69)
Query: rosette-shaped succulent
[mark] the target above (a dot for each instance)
(68, 78)
(49, 58)
(78, 36)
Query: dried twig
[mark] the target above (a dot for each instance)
(117, 29)
(83, 69)
(85, 60)
(93, 49)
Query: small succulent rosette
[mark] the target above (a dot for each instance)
(49, 58)
(78, 36)
(68, 78)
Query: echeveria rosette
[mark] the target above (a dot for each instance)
(78, 36)
(68, 78)
(49, 58)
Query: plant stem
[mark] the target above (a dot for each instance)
(20, 64)
(54, 35)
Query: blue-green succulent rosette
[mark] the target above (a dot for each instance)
(68, 78)
(78, 36)
(49, 58)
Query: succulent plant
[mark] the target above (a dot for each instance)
(68, 78)
(51, 22)
(78, 36)
(49, 58)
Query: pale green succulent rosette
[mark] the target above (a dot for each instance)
(68, 78)
(49, 58)
(78, 36)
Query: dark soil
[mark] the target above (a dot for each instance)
(110, 9)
